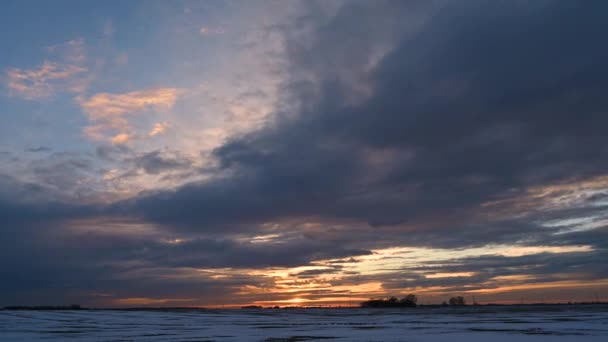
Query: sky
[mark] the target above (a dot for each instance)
(206, 153)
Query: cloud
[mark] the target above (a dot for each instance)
(121, 138)
(111, 152)
(72, 51)
(156, 162)
(38, 149)
(44, 82)
(209, 31)
(103, 105)
(65, 176)
(107, 266)
(109, 113)
(158, 129)
(444, 130)
(65, 70)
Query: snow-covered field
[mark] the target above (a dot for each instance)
(495, 324)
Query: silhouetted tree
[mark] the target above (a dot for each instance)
(409, 300)
(392, 302)
(457, 301)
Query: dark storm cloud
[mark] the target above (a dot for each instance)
(98, 272)
(474, 103)
(111, 152)
(55, 253)
(26, 204)
(47, 263)
(156, 162)
(61, 170)
(226, 253)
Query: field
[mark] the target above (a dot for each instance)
(496, 324)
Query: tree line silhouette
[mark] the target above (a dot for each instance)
(409, 301)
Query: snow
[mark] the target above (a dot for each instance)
(496, 324)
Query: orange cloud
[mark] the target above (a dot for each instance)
(159, 128)
(41, 83)
(207, 31)
(121, 138)
(109, 112)
(105, 105)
